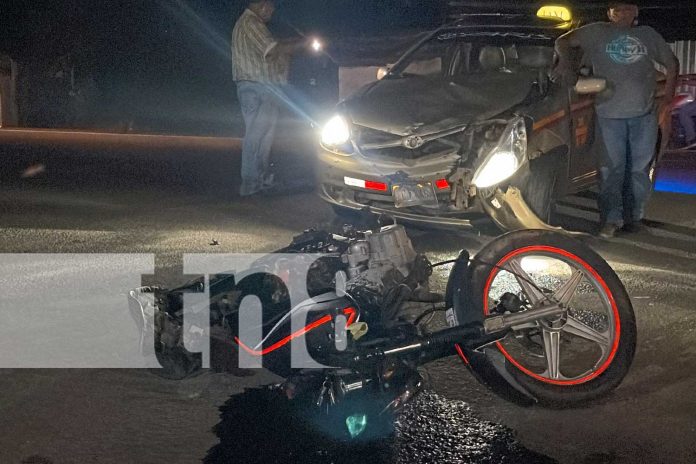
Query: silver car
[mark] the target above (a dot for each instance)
(465, 126)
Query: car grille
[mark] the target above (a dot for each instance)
(390, 145)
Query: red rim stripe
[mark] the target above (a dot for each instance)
(595, 274)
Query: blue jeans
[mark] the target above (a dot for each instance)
(260, 112)
(630, 145)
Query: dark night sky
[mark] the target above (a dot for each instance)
(172, 56)
(132, 27)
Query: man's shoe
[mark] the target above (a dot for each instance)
(635, 227)
(608, 230)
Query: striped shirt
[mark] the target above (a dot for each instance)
(252, 59)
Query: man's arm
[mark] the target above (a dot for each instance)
(567, 47)
(289, 46)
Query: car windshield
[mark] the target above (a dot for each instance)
(456, 56)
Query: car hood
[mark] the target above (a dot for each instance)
(421, 105)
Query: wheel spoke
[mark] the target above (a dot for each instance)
(534, 294)
(552, 349)
(580, 329)
(565, 293)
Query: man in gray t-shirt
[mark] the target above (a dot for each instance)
(626, 56)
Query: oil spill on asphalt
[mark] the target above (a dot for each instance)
(260, 426)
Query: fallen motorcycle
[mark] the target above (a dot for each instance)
(536, 315)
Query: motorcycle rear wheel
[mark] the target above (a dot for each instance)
(562, 361)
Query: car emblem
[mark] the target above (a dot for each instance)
(413, 142)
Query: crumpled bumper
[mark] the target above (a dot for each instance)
(510, 212)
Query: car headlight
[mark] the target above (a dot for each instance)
(335, 131)
(505, 158)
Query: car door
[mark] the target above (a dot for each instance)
(584, 141)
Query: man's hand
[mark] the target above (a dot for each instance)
(563, 72)
(291, 46)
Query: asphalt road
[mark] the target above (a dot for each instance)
(138, 202)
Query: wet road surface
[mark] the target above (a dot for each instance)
(431, 429)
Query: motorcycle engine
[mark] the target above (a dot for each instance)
(385, 268)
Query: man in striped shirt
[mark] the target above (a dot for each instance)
(260, 66)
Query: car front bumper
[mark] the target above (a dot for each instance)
(504, 204)
(334, 169)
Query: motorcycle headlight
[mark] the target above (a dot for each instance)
(505, 158)
(335, 132)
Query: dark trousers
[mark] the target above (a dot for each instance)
(629, 143)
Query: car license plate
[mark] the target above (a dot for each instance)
(414, 194)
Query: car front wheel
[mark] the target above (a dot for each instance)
(540, 189)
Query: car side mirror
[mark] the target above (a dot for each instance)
(590, 85)
(382, 71)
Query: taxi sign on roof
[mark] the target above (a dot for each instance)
(559, 13)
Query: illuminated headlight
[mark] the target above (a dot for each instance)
(505, 158)
(335, 132)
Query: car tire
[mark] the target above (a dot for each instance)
(540, 189)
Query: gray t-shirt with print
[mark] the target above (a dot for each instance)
(626, 58)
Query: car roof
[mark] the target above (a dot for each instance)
(501, 22)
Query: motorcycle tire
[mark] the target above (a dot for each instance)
(555, 343)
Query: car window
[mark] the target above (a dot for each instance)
(432, 66)
(428, 60)
(457, 58)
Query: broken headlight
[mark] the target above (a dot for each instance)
(506, 157)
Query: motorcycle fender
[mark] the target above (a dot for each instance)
(498, 378)
(459, 298)
(458, 293)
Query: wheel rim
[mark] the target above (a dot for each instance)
(574, 348)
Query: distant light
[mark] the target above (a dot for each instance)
(317, 45)
(559, 13)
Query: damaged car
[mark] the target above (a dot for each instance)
(466, 126)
